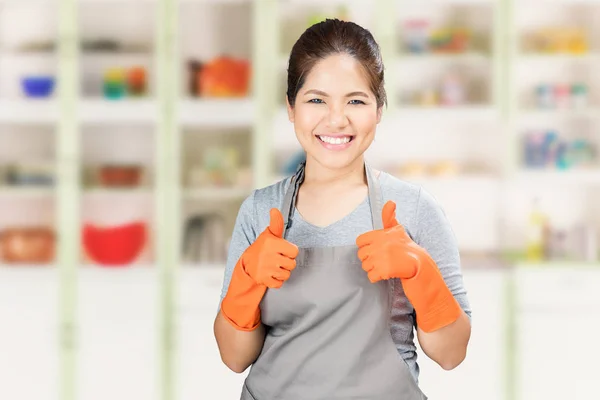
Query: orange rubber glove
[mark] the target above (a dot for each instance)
(390, 253)
(266, 263)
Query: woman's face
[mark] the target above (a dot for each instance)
(335, 114)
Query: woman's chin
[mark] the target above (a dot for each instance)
(335, 160)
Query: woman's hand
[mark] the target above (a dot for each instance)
(270, 259)
(390, 253)
(266, 263)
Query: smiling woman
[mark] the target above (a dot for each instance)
(327, 279)
(335, 92)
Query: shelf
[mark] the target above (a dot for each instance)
(26, 192)
(118, 192)
(28, 111)
(117, 1)
(217, 194)
(446, 113)
(591, 112)
(443, 57)
(144, 55)
(34, 2)
(134, 267)
(217, 112)
(532, 57)
(456, 179)
(215, 1)
(575, 176)
(311, 3)
(561, 2)
(557, 265)
(206, 267)
(27, 270)
(452, 2)
(132, 110)
(17, 53)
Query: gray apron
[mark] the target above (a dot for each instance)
(328, 327)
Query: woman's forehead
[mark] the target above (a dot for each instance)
(339, 70)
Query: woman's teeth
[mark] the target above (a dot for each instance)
(335, 140)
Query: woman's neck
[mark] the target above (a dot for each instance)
(319, 175)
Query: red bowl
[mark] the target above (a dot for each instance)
(117, 245)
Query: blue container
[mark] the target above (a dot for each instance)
(38, 86)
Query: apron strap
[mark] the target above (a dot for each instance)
(290, 197)
(375, 197)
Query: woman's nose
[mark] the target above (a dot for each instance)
(337, 117)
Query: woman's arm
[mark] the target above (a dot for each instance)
(238, 349)
(261, 262)
(446, 346)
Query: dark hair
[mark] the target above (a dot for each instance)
(329, 37)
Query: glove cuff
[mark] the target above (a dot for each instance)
(241, 305)
(433, 302)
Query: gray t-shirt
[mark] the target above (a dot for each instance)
(416, 210)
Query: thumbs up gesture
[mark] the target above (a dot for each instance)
(389, 252)
(270, 259)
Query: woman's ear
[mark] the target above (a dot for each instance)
(290, 109)
(379, 113)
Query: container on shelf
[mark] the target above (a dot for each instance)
(205, 239)
(27, 245)
(114, 83)
(416, 36)
(556, 40)
(136, 81)
(27, 174)
(547, 149)
(561, 96)
(579, 96)
(221, 77)
(38, 86)
(220, 167)
(117, 245)
(120, 175)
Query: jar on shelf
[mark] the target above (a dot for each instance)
(562, 96)
(416, 40)
(136, 81)
(544, 96)
(428, 97)
(579, 96)
(453, 90)
(114, 83)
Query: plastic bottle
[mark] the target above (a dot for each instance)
(536, 232)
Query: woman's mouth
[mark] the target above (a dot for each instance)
(335, 142)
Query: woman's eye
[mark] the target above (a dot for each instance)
(357, 102)
(315, 101)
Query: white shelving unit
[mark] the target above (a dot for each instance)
(170, 133)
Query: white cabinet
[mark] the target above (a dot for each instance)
(118, 334)
(200, 372)
(29, 361)
(558, 331)
(481, 375)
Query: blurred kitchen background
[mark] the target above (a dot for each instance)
(132, 130)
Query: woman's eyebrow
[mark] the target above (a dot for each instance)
(363, 94)
(351, 94)
(317, 92)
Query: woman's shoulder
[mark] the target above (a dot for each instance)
(256, 205)
(413, 201)
(399, 190)
(272, 195)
